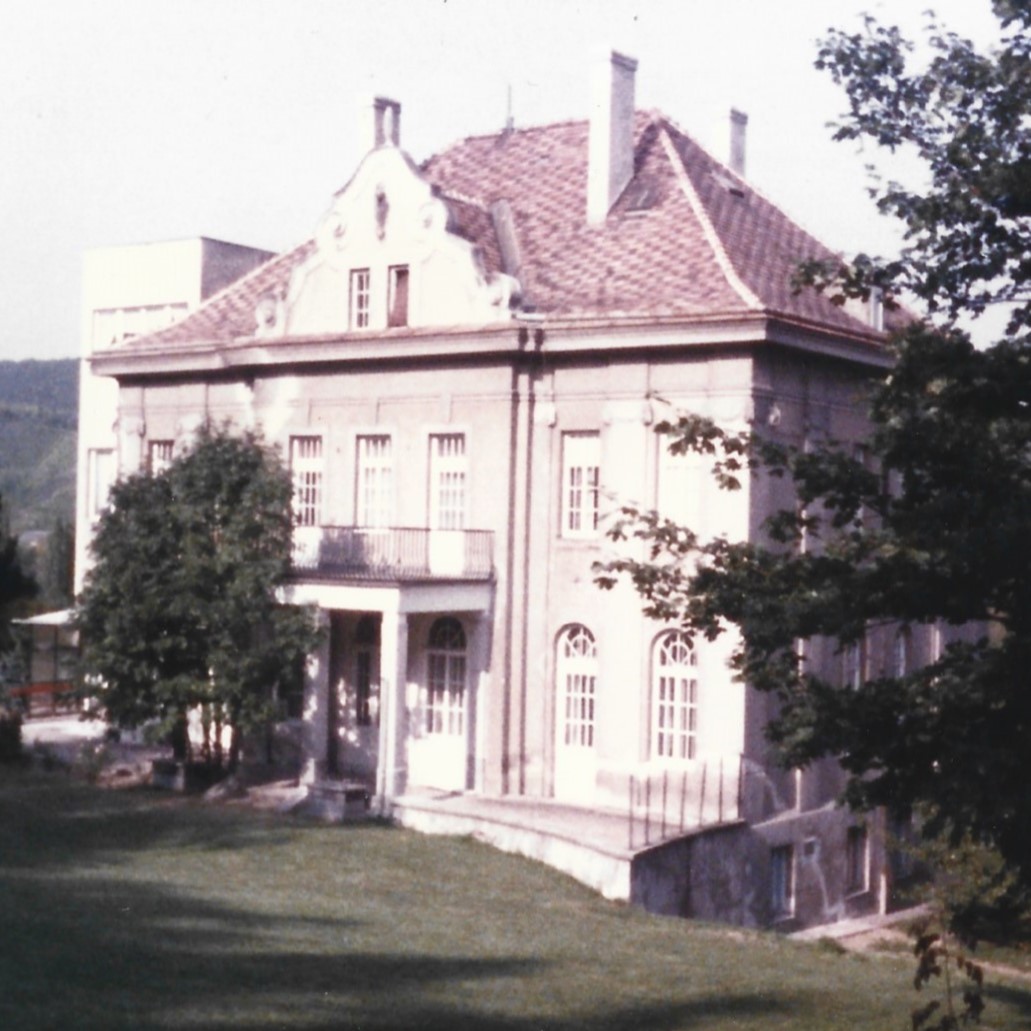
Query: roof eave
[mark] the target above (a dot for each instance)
(557, 334)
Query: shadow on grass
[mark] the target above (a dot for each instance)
(52, 821)
(93, 934)
(114, 954)
(1018, 999)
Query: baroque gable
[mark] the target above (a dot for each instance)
(386, 254)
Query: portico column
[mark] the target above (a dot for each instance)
(314, 730)
(392, 768)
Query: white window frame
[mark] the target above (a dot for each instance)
(675, 693)
(359, 298)
(901, 649)
(853, 664)
(160, 454)
(581, 484)
(449, 470)
(576, 673)
(307, 472)
(101, 475)
(680, 487)
(445, 678)
(374, 492)
(396, 317)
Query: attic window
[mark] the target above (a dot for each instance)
(730, 185)
(397, 301)
(359, 299)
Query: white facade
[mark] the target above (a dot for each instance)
(464, 368)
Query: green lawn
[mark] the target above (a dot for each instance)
(129, 909)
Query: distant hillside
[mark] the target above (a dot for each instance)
(39, 402)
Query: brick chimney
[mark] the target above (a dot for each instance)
(738, 129)
(610, 160)
(380, 124)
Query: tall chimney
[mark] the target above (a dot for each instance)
(380, 124)
(738, 129)
(610, 158)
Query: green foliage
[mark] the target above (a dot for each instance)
(964, 114)
(180, 607)
(16, 584)
(38, 419)
(930, 525)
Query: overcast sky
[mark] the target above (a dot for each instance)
(125, 121)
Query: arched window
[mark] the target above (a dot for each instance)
(445, 678)
(674, 697)
(577, 676)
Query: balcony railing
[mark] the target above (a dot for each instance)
(393, 553)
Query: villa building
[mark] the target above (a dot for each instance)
(463, 369)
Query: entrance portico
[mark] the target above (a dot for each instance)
(411, 659)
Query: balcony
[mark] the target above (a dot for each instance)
(392, 554)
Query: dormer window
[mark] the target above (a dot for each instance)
(359, 301)
(397, 299)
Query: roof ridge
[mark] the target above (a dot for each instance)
(748, 184)
(730, 273)
(463, 198)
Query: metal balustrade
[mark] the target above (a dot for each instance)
(664, 805)
(393, 553)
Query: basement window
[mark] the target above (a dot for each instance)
(397, 301)
(857, 861)
(782, 881)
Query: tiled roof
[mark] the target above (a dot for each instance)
(687, 236)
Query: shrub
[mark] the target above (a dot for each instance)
(10, 736)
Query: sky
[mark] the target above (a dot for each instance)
(127, 121)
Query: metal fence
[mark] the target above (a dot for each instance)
(394, 553)
(666, 804)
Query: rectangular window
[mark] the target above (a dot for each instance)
(159, 456)
(397, 302)
(853, 664)
(375, 488)
(448, 466)
(857, 866)
(445, 694)
(676, 717)
(306, 471)
(681, 485)
(101, 473)
(900, 659)
(782, 881)
(581, 459)
(359, 302)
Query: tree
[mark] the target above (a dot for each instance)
(16, 585)
(931, 526)
(179, 610)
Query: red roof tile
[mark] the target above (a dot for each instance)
(687, 237)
